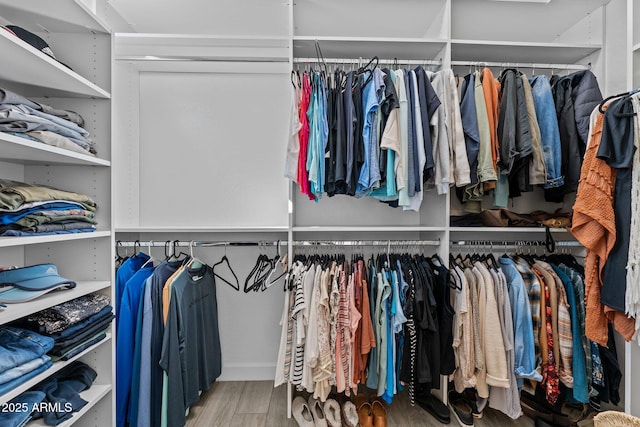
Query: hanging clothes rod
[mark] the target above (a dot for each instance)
(365, 60)
(514, 243)
(523, 65)
(195, 244)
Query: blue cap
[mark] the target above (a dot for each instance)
(26, 283)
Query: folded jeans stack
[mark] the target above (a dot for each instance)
(27, 210)
(74, 325)
(54, 400)
(22, 356)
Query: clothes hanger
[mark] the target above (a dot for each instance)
(151, 258)
(277, 261)
(119, 258)
(225, 261)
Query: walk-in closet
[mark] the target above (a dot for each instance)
(319, 213)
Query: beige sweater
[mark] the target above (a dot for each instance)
(494, 351)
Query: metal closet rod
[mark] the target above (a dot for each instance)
(524, 65)
(178, 243)
(517, 243)
(365, 60)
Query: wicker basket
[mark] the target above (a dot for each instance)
(615, 419)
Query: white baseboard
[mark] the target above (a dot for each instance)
(248, 372)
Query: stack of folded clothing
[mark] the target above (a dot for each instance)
(62, 392)
(55, 399)
(73, 325)
(27, 210)
(38, 122)
(22, 356)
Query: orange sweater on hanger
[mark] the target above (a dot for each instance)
(594, 226)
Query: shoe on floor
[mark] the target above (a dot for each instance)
(379, 413)
(349, 414)
(332, 413)
(365, 416)
(472, 400)
(435, 407)
(460, 408)
(318, 413)
(301, 412)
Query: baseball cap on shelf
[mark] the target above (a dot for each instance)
(34, 40)
(27, 283)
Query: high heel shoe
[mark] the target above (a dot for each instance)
(301, 412)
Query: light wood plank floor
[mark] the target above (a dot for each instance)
(258, 404)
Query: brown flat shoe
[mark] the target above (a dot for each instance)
(365, 416)
(379, 414)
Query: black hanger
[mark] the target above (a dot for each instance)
(119, 258)
(225, 261)
(609, 98)
(252, 273)
(362, 70)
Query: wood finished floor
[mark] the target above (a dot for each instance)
(258, 404)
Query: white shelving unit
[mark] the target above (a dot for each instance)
(81, 38)
(560, 32)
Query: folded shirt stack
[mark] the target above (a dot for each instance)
(38, 122)
(73, 325)
(22, 356)
(27, 210)
(55, 399)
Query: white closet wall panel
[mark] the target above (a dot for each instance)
(228, 17)
(214, 154)
(615, 49)
(370, 18)
(517, 21)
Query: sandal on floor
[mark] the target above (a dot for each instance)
(301, 412)
(332, 413)
(318, 413)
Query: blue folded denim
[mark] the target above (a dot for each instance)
(64, 388)
(73, 329)
(7, 387)
(18, 346)
(82, 346)
(63, 347)
(19, 409)
(19, 371)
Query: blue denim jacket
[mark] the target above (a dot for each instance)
(523, 346)
(18, 346)
(549, 131)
